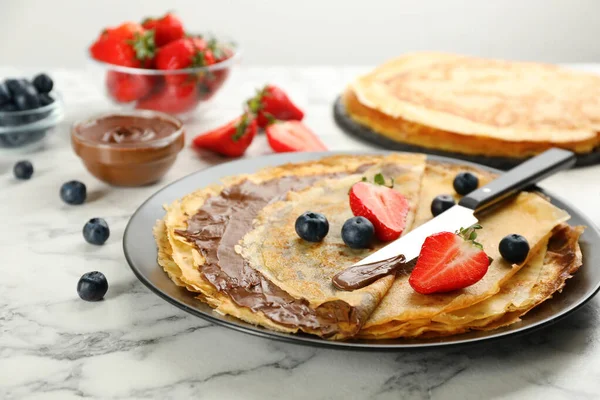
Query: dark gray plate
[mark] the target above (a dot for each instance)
(367, 134)
(140, 251)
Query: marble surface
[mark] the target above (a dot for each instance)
(133, 345)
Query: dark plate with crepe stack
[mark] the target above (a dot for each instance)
(493, 112)
(221, 246)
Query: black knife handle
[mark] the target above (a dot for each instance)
(531, 171)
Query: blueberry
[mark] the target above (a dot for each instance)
(96, 231)
(4, 94)
(514, 248)
(465, 183)
(26, 101)
(312, 227)
(45, 99)
(23, 170)
(73, 192)
(92, 286)
(441, 203)
(358, 232)
(43, 83)
(16, 86)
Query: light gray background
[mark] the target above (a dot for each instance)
(55, 33)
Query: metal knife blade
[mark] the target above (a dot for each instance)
(410, 244)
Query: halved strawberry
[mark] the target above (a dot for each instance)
(383, 206)
(286, 136)
(449, 261)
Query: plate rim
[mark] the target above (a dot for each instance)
(309, 340)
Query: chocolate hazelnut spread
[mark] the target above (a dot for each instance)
(128, 149)
(359, 276)
(221, 223)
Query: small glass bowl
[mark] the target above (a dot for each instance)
(176, 92)
(24, 129)
(128, 163)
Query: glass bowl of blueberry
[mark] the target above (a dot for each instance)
(28, 110)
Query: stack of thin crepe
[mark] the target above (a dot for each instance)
(293, 277)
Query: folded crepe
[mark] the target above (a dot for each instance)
(405, 313)
(236, 246)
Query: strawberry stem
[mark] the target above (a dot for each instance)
(469, 234)
(242, 126)
(143, 45)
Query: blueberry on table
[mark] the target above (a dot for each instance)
(43, 83)
(514, 248)
(23, 170)
(96, 231)
(441, 203)
(4, 94)
(73, 192)
(92, 286)
(45, 99)
(312, 226)
(465, 182)
(357, 232)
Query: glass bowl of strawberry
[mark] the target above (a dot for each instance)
(157, 66)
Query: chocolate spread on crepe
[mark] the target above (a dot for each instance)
(359, 276)
(220, 224)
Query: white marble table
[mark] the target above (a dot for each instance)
(135, 345)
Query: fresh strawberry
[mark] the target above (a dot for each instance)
(231, 139)
(182, 53)
(292, 136)
(125, 46)
(166, 29)
(125, 31)
(271, 103)
(124, 87)
(449, 261)
(171, 98)
(383, 206)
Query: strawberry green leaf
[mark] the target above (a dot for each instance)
(379, 179)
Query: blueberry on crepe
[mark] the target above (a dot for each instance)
(357, 232)
(441, 203)
(312, 227)
(465, 183)
(514, 248)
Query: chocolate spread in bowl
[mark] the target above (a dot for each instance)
(128, 149)
(222, 222)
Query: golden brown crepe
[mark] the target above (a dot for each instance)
(284, 265)
(300, 269)
(478, 106)
(403, 310)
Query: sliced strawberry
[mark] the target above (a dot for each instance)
(383, 206)
(231, 139)
(449, 261)
(292, 136)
